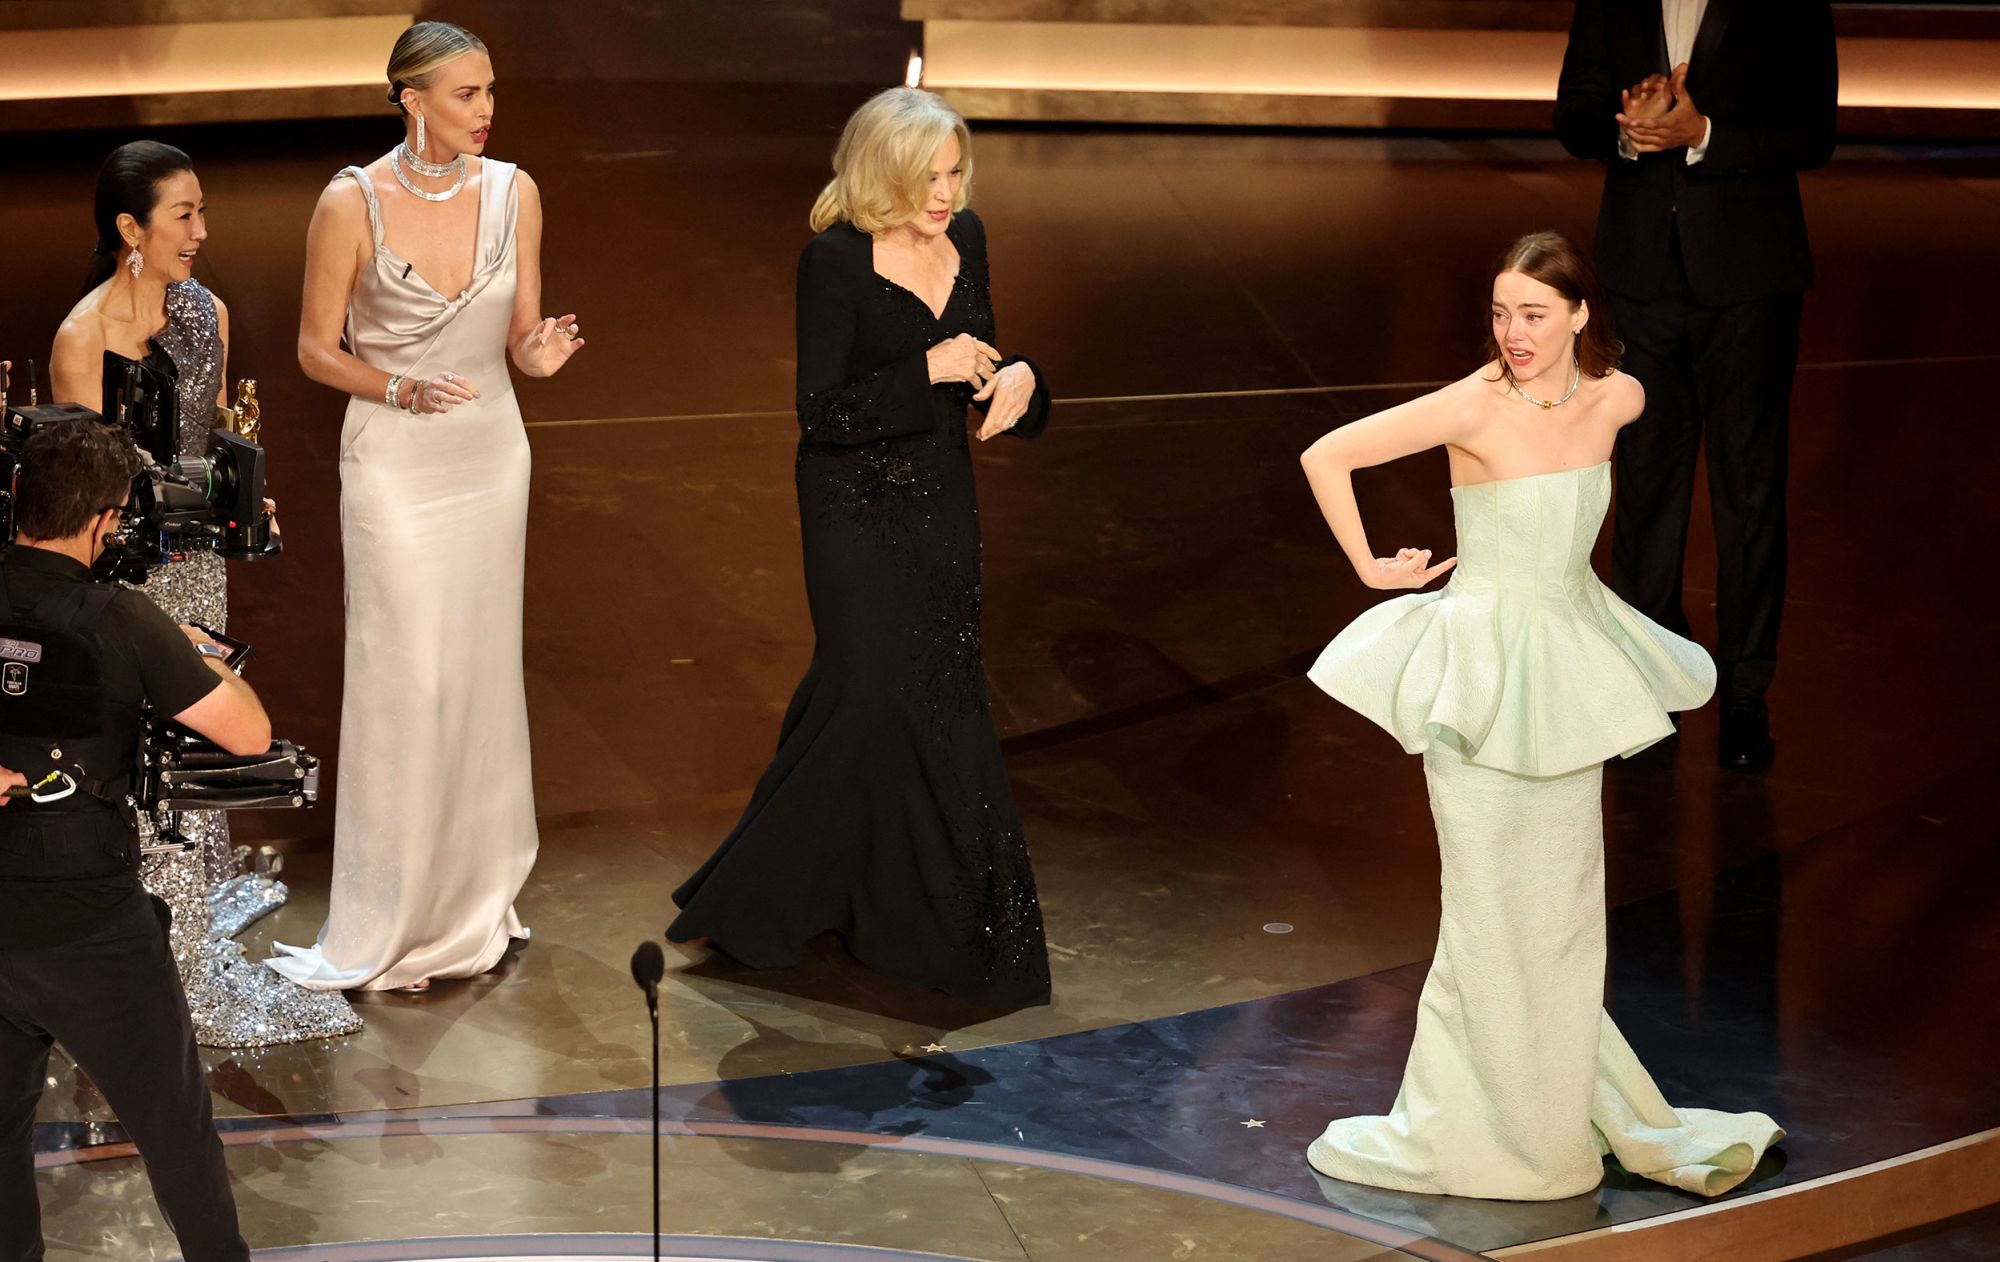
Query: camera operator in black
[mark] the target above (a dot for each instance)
(84, 959)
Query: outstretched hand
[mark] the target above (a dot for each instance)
(548, 346)
(1410, 567)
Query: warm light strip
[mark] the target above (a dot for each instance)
(1337, 62)
(1274, 60)
(1944, 74)
(197, 57)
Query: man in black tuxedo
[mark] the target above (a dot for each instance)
(1703, 112)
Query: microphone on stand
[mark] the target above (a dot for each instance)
(649, 965)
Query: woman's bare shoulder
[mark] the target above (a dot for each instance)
(1488, 378)
(1477, 391)
(82, 330)
(1620, 397)
(342, 198)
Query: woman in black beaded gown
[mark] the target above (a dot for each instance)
(886, 816)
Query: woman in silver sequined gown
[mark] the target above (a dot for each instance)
(141, 297)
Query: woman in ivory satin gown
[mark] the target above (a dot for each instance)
(436, 827)
(1515, 682)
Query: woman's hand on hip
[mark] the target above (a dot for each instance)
(1410, 567)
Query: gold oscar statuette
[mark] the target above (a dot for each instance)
(246, 418)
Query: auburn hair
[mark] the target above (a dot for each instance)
(1549, 258)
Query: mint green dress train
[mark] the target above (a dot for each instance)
(1516, 682)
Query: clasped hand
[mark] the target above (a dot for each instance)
(962, 358)
(1012, 389)
(1410, 567)
(1658, 114)
(965, 358)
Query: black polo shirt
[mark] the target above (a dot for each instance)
(146, 657)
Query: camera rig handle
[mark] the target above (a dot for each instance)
(184, 775)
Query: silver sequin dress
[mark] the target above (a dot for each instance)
(234, 1002)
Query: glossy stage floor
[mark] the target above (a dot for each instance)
(1239, 876)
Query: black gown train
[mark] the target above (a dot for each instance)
(886, 816)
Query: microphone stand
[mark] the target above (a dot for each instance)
(648, 967)
(653, 1011)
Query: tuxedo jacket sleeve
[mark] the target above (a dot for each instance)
(1766, 74)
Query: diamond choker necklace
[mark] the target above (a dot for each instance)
(436, 170)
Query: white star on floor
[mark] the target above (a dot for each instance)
(1255, 1123)
(933, 1047)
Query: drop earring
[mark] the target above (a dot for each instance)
(136, 263)
(402, 155)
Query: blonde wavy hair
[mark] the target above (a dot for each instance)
(882, 166)
(421, 50)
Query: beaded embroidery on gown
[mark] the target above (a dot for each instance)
(886, 816)
(234, 1002)
(435, 832)
(1516, 681)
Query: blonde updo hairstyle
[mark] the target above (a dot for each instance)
(882, 166)
(421, 50)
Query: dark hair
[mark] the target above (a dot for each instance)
(1549, 258)
(72, 470)
(128, 184)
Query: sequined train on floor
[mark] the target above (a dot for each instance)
(235, 1002)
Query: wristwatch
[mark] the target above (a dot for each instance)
(213, 650)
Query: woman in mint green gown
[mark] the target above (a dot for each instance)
(1515, 682)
